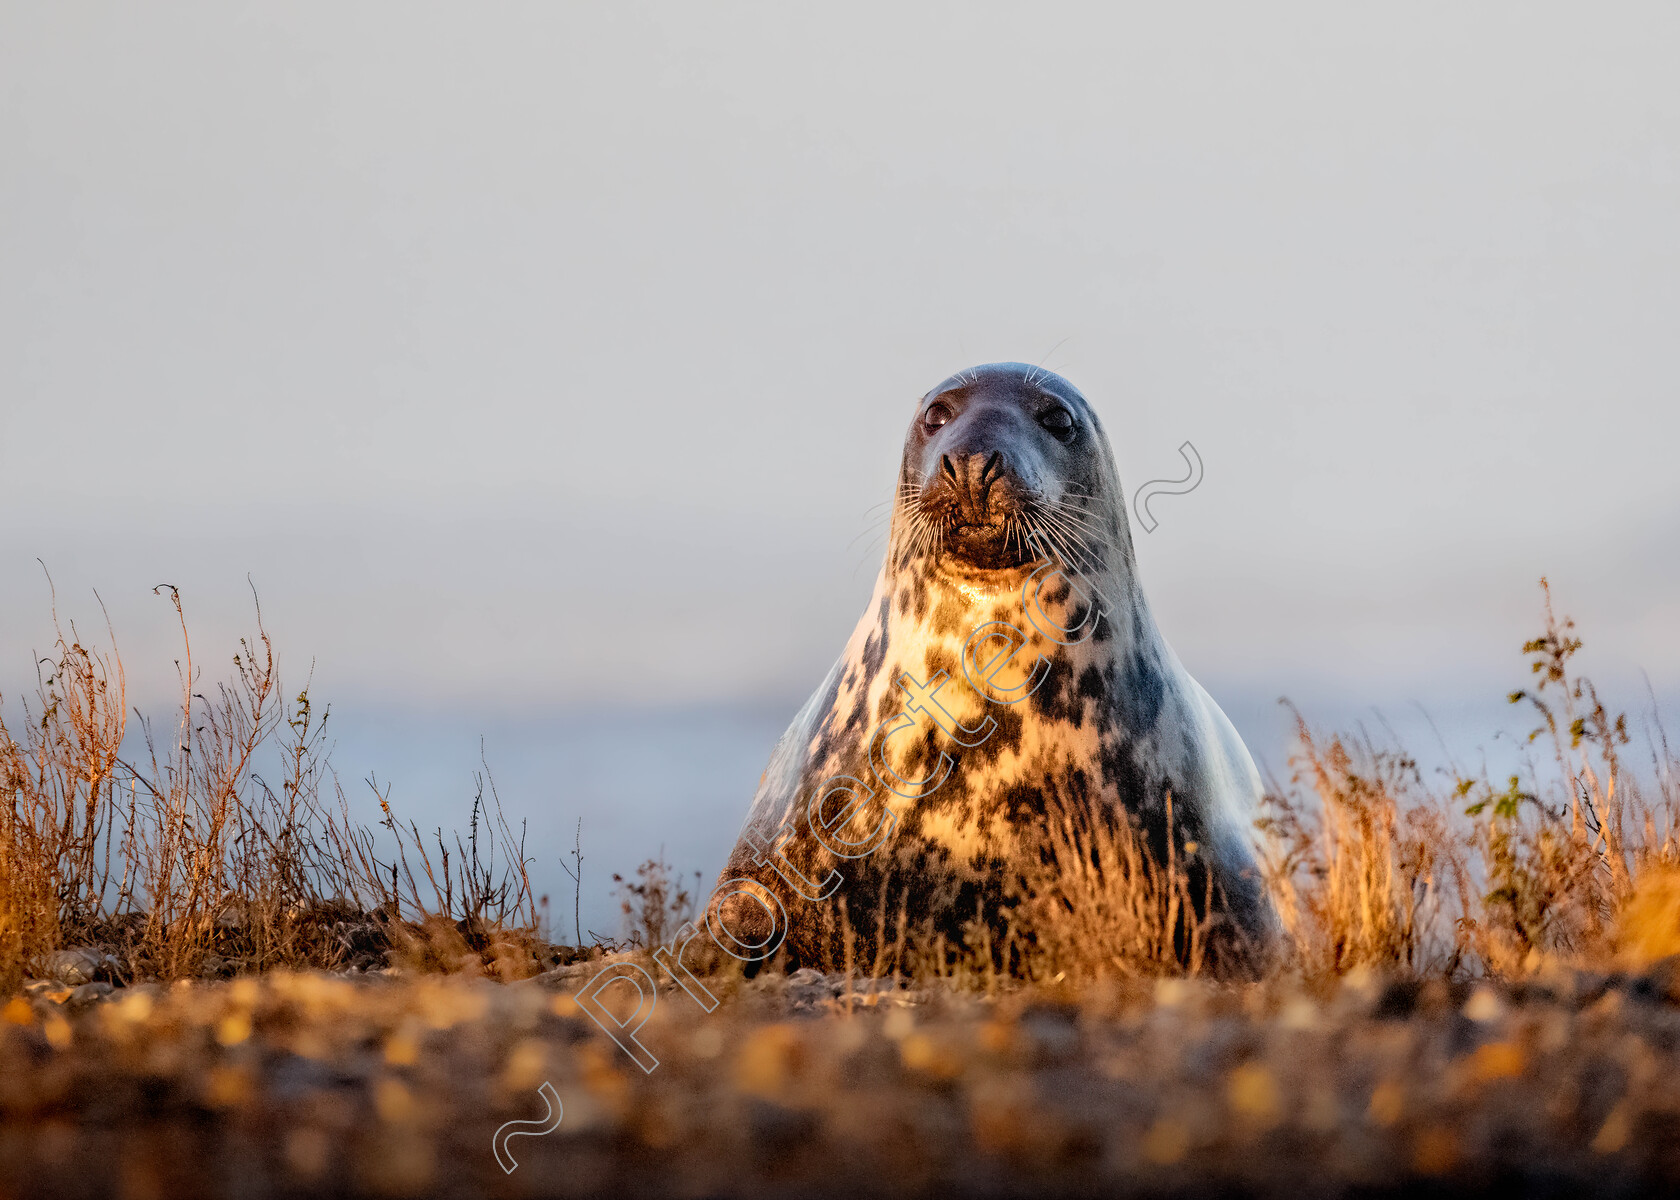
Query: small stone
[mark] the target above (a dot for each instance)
(1398, 1000)
(1388, 1103)
(1254, 1095)
(768, 1058)
(1166, 1142)
(88, 994)
(1484, 1006)
(1299, 1014)
(936, 1057)
(1659, 983)
(1498, 1060)
(898, 1025)
(808, 988)
(1052, 1032)
(562, 978)
(1436, 1150)
(79, 965)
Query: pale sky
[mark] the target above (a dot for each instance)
(553, 355)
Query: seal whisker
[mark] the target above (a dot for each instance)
(1066, 505)
(1028, 551)
(1074, 490)
(1073, 550)
(1079, 534)
(1078, 517)
(1058, 521)
(1052, 547)
(874, 527)
(1043, 538)
(1081, 555)
(1067, 491)
(1069, 512)
(920, 529)
(1058, 550)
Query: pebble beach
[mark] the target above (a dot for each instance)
(388, 1084)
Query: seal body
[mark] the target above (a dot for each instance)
(1007, 667)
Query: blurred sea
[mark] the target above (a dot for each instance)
(642, 781)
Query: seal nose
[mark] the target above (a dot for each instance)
(971, 477)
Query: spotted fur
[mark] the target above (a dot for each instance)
(987, 498)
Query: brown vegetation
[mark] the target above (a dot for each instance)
(1096, 902)
(1572, 866)
(229, 845)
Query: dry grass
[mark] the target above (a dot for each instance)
(654, 905)
(1096, 902)
(229, 844)
(1093, 903)
(1369, 867)
(1565, 856)
(1648, 926)
(1367, 871)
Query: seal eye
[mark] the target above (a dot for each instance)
(1058, 421)
(935, 416)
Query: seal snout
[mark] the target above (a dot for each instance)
(970, 478)
(976, 495)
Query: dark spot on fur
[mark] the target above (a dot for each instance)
(1058, 698)
(1091, 683)
(1141, 693)
(951, 618)
(1011, 726)
(936, 660)
(1104, 631)
(875, 646)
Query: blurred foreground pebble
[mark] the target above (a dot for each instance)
(315, 1084)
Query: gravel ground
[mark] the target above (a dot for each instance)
(316, 1084)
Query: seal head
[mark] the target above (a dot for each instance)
(988, 452)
